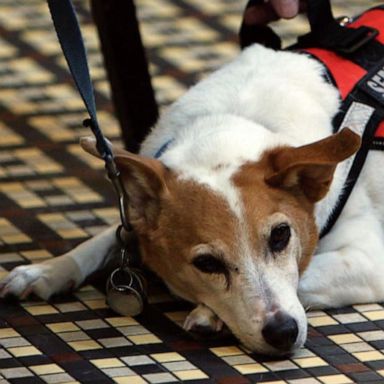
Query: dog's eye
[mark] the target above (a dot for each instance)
(209, 264)
(279, 237)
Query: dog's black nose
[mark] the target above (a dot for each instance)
(281, 331)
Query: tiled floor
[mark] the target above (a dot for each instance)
(53, 196)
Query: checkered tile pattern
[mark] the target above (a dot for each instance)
(54, 196)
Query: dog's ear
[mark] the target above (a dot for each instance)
(144, 183)
(144, 180)
(88, 143)
(311, 167)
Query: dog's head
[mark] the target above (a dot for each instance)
(239, 252)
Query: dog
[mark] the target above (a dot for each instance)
(227, 197)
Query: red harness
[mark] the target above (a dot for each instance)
(345, 73)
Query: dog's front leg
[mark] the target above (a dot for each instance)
(349, 268)
(202, 320)
(61, 273)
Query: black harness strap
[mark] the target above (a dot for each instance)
(354, 172)
(326, 32)
(257, 33)
(71, 41)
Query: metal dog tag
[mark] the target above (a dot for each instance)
(126, 292)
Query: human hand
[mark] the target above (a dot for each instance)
(271, 10)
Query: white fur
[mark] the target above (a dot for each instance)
(261, 100)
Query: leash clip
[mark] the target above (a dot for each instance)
(126, 287)
(114, 176)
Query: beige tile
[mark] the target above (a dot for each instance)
(374, 315)
(45, 369)
(24, 351)
(310, 362)
(96, 304)
(335, 379)
(368, 307)
(37, 310)
(369, 356)
(321, 321)
(167, 357)
(63, 327)
(84, 345)
(8, 332)
(72, 233)
(380, 372)
(145, 339)
(248, 369)
(38, 254)
(129, 380)
(121, 321)
(16, 239)
(107, 363)
(226, 351)
(345, 338)
(193, 374)
(277, 382)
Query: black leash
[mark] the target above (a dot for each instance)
(126, 288)
(71, 41)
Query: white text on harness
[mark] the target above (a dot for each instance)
(376, 83)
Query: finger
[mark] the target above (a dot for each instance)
(286, 8)
(303, 6)
(260, 14)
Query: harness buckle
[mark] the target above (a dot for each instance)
(339, 38)
(362, 36)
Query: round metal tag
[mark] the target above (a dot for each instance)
(126, 292)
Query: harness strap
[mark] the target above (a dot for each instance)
(162, 149)
(251, 33)
(362, 119)
(71, 41)
(326, 31)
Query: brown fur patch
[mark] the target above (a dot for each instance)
(262, 200)
(191, 214)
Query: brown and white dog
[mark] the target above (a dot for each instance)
(229, 214)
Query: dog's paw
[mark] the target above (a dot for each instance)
(44, 279)
(310, 297)
(203, 321)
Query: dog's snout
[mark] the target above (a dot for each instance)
(280, 331)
